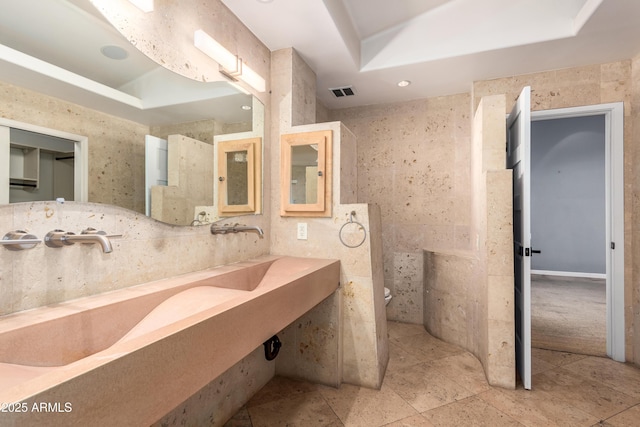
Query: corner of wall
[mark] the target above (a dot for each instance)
(347, 324)
(493, 220)
(632, 292)
(481, 281)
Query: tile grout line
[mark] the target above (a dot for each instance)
(620, 412)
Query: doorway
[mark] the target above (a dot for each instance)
(568, 282)
(39, 163)
(587, 248)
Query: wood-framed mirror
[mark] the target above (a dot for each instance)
(306, 177)
(239, 176)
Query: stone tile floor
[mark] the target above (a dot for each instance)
(432, 383)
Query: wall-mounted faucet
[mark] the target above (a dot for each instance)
(19, 240)
(235, 228)
(60, 238)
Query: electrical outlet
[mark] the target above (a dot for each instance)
(302, 231)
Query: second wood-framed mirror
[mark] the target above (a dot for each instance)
(239, 176)
(306, 177)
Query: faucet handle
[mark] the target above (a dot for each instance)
(91, 230)
(57, 238)
(18, 240)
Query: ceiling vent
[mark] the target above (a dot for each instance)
(339, 92)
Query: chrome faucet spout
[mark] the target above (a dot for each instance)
(103, 240)
(255, 228)
(235, 228)
(60, 238)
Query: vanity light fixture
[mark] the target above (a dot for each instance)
(231, 65)
(253, 79)
(246, 107)
(404, 83)
(229, 62)
(143, 5)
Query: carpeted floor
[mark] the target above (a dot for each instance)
(569, 314)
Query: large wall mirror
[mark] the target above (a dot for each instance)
(65, 49)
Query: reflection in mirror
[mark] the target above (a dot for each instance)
(40, 168)
(43, 53)
(237, 178)
(306, 174)
(239, 173)
(189, 186)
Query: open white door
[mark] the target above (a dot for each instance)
(518, 159)
(155, 166)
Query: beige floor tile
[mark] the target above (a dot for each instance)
(357, 406)
(589, 396)
(426, 348)
(630, 417)
(432, 383)
(539, 365)
(619, 376)
(424, 388)
(536, 408)
(240, 419)
(556, 358)
(465, 369)
(415, 421)
(399, 329)
(278, 388)
(472, 411)
(400, 359)
(304, 410)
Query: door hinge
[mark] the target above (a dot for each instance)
(613, 245)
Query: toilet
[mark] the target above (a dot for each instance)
(387, 296)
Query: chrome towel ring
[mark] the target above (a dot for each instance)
(360, 227)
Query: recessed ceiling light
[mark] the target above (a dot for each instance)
(404, 83)
(265, 1)
(114, 52)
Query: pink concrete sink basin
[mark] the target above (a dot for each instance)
(118, 347)
(70, 331)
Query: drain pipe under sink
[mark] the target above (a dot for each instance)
(272, 347)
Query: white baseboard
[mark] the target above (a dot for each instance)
(570, 274)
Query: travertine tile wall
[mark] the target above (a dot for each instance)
(414, 162)
(116, 146)
(492, 287)
(148, 250)
(357, 345)
(420, 214)
(468, 296)
(202, 130)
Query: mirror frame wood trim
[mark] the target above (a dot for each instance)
(322, 206)
(253, 147)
